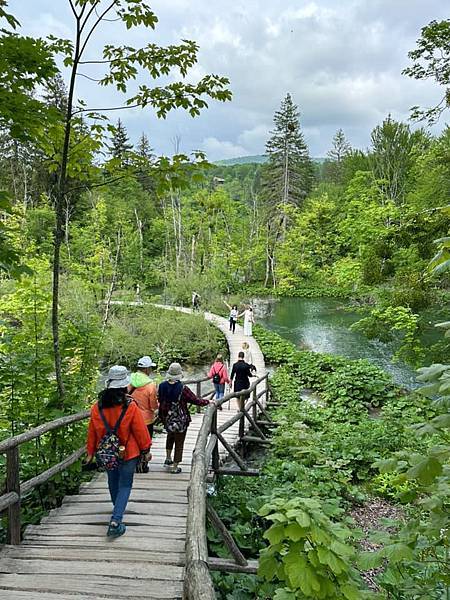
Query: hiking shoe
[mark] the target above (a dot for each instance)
(175, 471)
(168, 462)
(116, 529)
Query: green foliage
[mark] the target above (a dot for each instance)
(391, 487)
(322, 453)
(432, 59)
(10, 260)
(165, 335)
(308, 553)
(394, 323)
(418, 555)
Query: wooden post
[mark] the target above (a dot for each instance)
(254, 412)
(242, 400)
(215, 452)
(267, 391)
(225, 535)
(13, 485)
(199, 394)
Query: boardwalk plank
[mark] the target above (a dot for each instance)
(81, 530)
(108, 553)
(104, 507)
(135, 543)
(118, 569)
(92, 585)
(130, 519)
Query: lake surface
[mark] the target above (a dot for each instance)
(322, 325)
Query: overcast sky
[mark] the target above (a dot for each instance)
(340, 59)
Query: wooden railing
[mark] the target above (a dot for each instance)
(14, 489)
(197, 583)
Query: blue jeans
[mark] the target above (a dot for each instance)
(120, 482)
(220, 389)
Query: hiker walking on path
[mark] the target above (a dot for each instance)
(249, 319)
(219, 375)
(174, 398)
(248, 357)
(195, 301)
(145, 393)
(117, 436)
(241, 373)
(233, 316)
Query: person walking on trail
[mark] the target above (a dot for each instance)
(195, 301)
(241, 373)
(145, 393)
(174, 398)
(233, 316)
(248, 357)
(249, 319)
(117, 436)
(219, 375)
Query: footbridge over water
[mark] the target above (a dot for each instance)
(163, 554)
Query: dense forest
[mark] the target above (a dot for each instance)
(89, 218)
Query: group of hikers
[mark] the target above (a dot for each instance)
(122, 421)
(247, 313)
(234, 315)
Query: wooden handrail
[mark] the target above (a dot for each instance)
(197, 582)
(36, 432)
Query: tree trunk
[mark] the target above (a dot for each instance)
(113, 281)
(60, 198)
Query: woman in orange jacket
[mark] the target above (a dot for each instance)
(115, 406)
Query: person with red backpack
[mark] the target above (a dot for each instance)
(117, 437)
(219, 375)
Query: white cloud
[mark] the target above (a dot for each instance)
(341, 61)
(217, 149)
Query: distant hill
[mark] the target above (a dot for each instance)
(255, 159)
(242, 160)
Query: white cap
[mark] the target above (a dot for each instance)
(145, 362)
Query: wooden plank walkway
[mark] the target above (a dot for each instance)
(68, 556)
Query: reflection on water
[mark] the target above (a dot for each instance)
(321, 325)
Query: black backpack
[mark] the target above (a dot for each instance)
(216, 376)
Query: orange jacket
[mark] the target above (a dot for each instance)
(146, 397)
(133, 433)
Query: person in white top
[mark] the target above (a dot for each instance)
(247, 353)
(248, 357)
(233, 316)
(249, 319)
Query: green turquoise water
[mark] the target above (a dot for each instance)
(322, 325)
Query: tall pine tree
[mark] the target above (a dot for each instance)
(288, 175)
(145, 159)
(287, 178)
(120, 144)
(143, 148)
(333, 166)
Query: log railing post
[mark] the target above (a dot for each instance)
(215, 452)
(199, 394)
(13, 485)
(254, 411)
(241, 402)
(267, 390)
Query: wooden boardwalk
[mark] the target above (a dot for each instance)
(68, 556)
